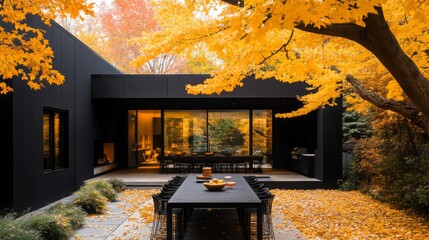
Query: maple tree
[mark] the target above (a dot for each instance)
(123, 20)
(377, 48)
(25, 52)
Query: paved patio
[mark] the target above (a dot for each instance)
(118, 225)
(115, 225)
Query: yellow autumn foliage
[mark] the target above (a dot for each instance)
(259, 38)
(25, 53)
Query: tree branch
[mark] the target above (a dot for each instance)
(399, 107)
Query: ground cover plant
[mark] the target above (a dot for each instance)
(60, 220)
(318, 214)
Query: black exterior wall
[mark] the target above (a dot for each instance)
(319, 131)
(6, 138)
(32, 188)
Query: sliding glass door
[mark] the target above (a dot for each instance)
(144, 137)
(195, 132)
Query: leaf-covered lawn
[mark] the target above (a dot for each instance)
(333, 214)
(323, 214)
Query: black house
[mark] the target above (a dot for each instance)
(56, 138)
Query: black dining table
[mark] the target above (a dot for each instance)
(193, 194)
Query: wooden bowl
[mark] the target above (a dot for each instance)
(203, 177)
(229, 184)
(214, 187)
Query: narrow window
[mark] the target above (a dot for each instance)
(55, 146)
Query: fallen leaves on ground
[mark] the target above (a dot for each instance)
(139, 201)
(333, 214)
(318, 214)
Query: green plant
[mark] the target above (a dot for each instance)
(47, 225)
(350, 180)
(117, 184)
(72, 214)
(104, 187)
(91, 200)
(13, 230)
(355, 125)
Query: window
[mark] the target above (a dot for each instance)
(55, 146)
(185, 131)
(229, 131)
(262, 132)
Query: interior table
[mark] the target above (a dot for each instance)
(192, 194)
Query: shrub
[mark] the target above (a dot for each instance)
(393, 166)
(48, 227)
(350, 178)
(73, 215)
(104, 187)
(13, 230)
(117, 184)
(91, 200)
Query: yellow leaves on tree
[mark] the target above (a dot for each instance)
(25, 53)
(275, 39)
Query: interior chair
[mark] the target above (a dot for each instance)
(166, 166)
(240, 166)
(257, 166)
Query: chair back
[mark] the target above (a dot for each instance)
(160, 204)
(267, 204)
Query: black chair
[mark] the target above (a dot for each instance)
(159, 225)
(250, 223)
(257, 186)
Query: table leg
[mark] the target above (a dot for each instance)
(259, 222)
(169, 223)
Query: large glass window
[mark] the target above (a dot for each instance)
(55, 146)
(199, 131)
(262, 132)
(144, 137)
(185, 131)
(229, 132)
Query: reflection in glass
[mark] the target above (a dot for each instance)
(262, 132)
(229, 132)
(57, 141)
(46, 141)
(55, 148)
(185, 131)
(132, 140)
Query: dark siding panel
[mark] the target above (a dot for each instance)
(111, 87)
(32, 188)
(174, 86)
(83, 119)
(274, 88)
(6, 137)
(332, 141)
(136, 87)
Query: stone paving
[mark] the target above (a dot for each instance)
(116, 225)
